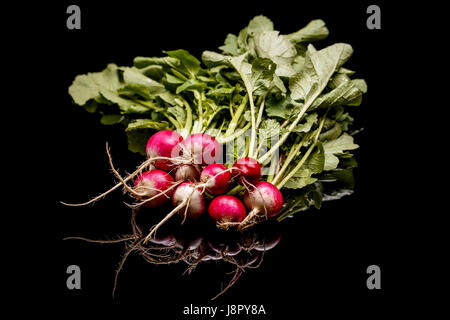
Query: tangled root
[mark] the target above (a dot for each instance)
(123, 182)
(159, 254)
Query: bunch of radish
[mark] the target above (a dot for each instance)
(184, 170)
(187, 173)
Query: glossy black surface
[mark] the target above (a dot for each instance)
(320, 263)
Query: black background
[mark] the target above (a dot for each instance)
(320, 264)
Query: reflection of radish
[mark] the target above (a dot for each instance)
(194, 243)
(216, 177)
(246, 171)
(269, 242)
(162, 144)
(164, 240)
(230, 249)
(201, 148)
(151, 183)
(226, 209)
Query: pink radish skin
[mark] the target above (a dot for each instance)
(216, 182)
(150, 184)
(246, 170)
(265, 198)
(202, 149)
(186, 172)
(161, 144)
(196, 204)
(226, 209)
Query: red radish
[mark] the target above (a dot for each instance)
(246, 171)
(188, 201)
(264, 199)
(216, 177)
(186, 172)
(188, 191)
(202, 149)
(161, 144)
(226, 209)
(151, 183)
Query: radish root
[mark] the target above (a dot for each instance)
(123, 181)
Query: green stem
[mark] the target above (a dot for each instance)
(306, 155)
(188, 125)
(297, 167)
(172, 120)
(150, 105)
(237, 115)
(235, 190)
(261, 101)
(208, 123)
(286, 135)
(290, 211)
(226, 139)
(199, 123)
(251, 148)
(260, 112)
(231, 109)
(290, 157)
(272, 168)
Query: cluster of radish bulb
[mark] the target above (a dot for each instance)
(182, 170)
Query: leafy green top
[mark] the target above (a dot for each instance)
(262, 81)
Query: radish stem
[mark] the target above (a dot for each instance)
(237, 115)
(306, 155)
